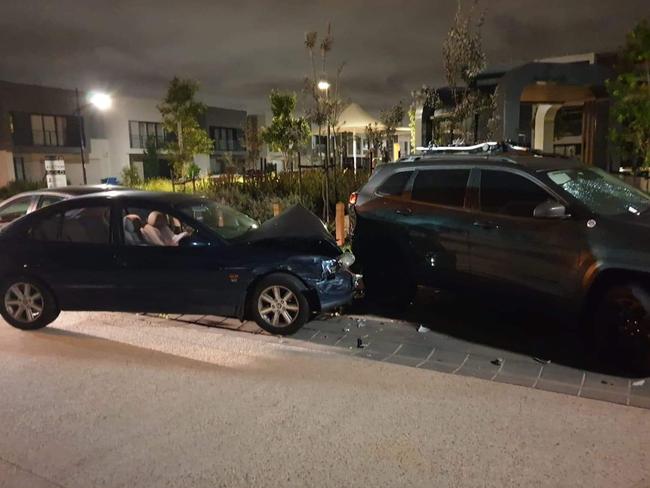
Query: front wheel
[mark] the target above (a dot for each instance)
(622, 326)
(27, 304)
(278, 304)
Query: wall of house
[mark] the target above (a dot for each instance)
(6, 167)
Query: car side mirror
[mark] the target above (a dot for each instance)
(550, 209)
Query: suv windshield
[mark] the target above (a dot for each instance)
(225, 221)
(602, 193)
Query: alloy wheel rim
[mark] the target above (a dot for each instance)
(24, 302)
(278, 306)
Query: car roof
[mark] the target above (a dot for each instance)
(527, 161)
(152, 196)
(71, 191)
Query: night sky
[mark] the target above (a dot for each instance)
(240, 49)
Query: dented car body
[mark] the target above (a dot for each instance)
(171, 253)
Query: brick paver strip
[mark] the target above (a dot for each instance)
(399, 343)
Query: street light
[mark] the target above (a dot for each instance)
(101, 101)
(323, 85)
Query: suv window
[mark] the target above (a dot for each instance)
(85, 224)
(441, 186)
(47, 200)
(507, 193)
(395, 183)
(15, 209)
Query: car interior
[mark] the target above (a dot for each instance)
(144, 227)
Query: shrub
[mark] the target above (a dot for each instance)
(15, 187)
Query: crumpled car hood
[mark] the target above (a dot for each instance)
(296, 229)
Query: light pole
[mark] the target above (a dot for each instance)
(102, 102)
(324, 86)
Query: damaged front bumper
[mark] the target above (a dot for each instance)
(338, 289)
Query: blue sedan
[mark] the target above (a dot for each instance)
(170, 253)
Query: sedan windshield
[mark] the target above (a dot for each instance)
(226, 222)
(601, 192)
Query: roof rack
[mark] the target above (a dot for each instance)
(486, 148)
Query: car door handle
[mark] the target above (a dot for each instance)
(487, 225)
(404, 211)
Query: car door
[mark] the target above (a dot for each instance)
(192, 276)
(380, 237)
(438, 221)
(513, 249)
(72, 250)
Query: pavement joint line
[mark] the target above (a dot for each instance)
(315, 334)
(341, 338)
(36, 475)
(498, 370)
(394, 352)
(426, 359)
(461, 365)
(539, 375)
(582, 383)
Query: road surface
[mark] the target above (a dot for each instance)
(119, 400)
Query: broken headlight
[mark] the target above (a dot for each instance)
(331, 266)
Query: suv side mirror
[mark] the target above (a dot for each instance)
(550, 209)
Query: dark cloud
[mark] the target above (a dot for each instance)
(239, 50)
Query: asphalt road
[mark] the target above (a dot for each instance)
(132, 401)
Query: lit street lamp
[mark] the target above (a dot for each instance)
(324, 86)
(101, 101)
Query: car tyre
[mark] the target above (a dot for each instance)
(278, 304)
(27, 303)
(622, 326)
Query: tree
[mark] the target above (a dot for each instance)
(253, 138)
(286, 133)
(463, 60)
(630, 92)
(375, 137)
(391, 118)
(180, 111)
(150, 159)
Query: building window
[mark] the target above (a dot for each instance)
(142, 133)
(227, 138)
(48, 130)
(19, 168)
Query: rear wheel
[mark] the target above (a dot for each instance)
(622, 326)
(279, 305)
(27, 304)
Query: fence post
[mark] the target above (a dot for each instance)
(276, 209)
(340, 223)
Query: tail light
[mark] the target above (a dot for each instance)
(353, 198)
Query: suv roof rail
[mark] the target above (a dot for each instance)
(487, 148)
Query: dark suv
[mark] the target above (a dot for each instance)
(544, 227)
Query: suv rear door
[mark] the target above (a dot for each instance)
(438, 223)
(510, 247)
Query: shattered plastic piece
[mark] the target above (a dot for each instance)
(361, 323)
(497, 361)
(360, 344)
(423, 330)
(346, 329)
(542, 361)
(638, 382)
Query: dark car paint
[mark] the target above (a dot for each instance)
(211, 275)
(556, 260)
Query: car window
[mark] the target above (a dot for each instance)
(47, 200)
(507, 193)
(81, 225)
(15, 209)
(153, 227)
(395, 183)
(441, 186)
